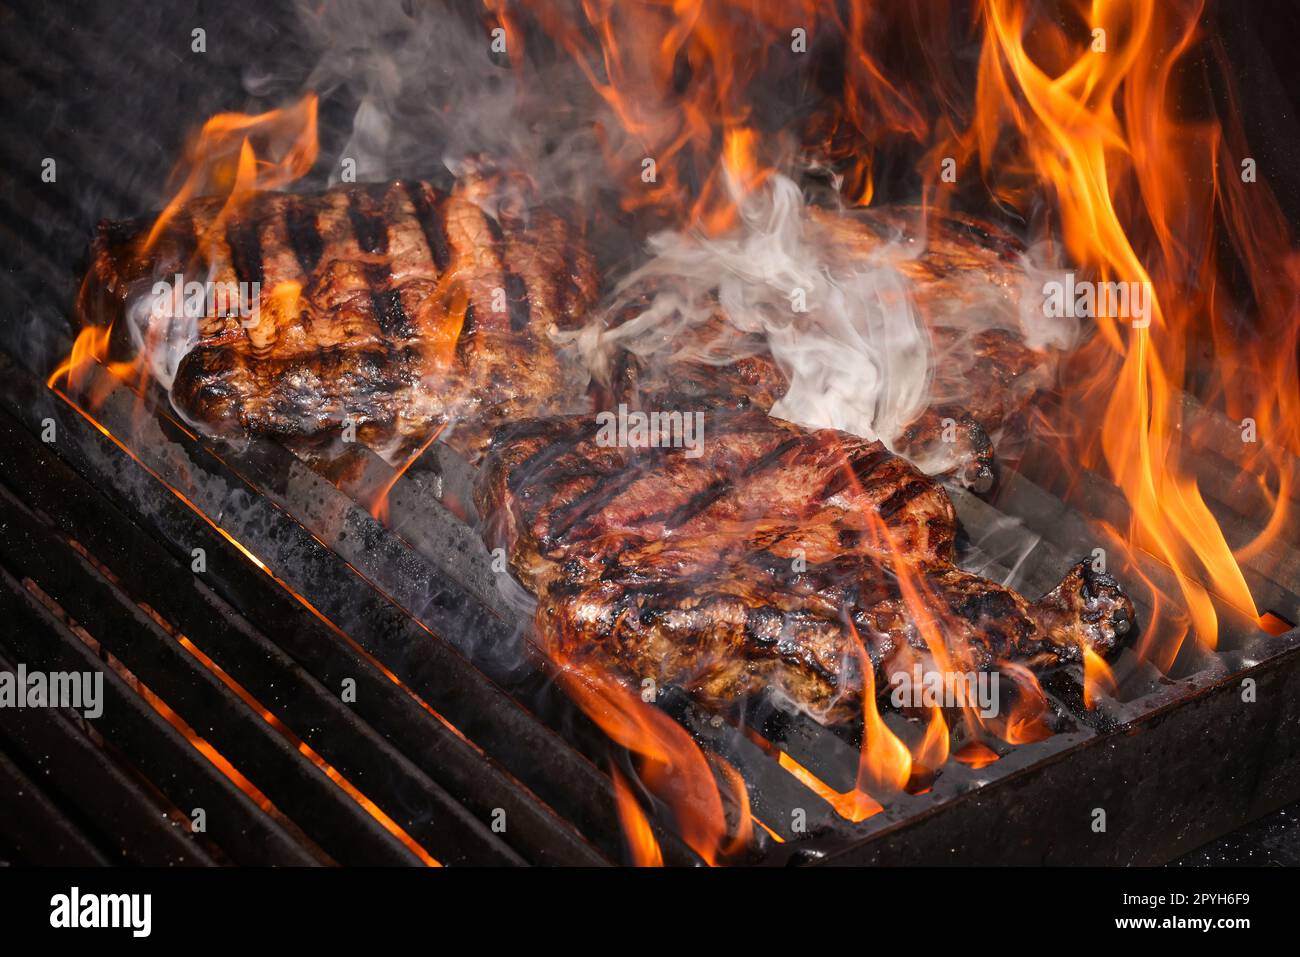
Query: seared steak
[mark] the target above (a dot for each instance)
(395, 308)
(763, 562)
(965, 280)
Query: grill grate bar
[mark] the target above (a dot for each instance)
(278, 769)
(33, 829)
(425, 665)
(152, 574)
(125, 817)
(314, 715)
(263, 483)
(157, 749)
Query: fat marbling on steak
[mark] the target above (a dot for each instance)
(762, 561)
(407, 307)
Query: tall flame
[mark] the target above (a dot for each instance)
(225, 159)
(1092, 110)
(679, 78)
(640, 836)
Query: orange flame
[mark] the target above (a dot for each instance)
(90, 346)
(885, 764)
(934, 620)
(224, 160)
(379, 507)
(852, 805)
(1093, 113)
(933, 750)
(976, 755)
(1098, 679)
(234, 156)
(670, 764)
(1025, 722)
(680, 78)
(640, 837)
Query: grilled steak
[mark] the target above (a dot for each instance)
(965, 281)
(395, 308)
(768, 560)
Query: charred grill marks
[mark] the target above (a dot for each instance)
(899, 499)
(468, 326)
(304, 235)
(371, 231)
(367, 224)
(370, 334)
(855, 469)
(497, 233)
(696, 504)
(245, 251)
(432, 223)
(566, 517)
(392, 318)
(517, 302)
(561, 441)
(717, 489)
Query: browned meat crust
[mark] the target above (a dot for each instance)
(395, 308)
(761, 563)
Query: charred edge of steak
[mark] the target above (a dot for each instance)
(1091, 608)
(740, 631)
(950, 434)
(115, 272)
(212, 384)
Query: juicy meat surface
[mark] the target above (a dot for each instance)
(777, 557)
(964, 278)
(396, 308)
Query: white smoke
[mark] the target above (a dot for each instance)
(846, 336)
(839, 313)
(434, 91)
(162, 329)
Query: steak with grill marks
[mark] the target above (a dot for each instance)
(776, 558)
(395, 308)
